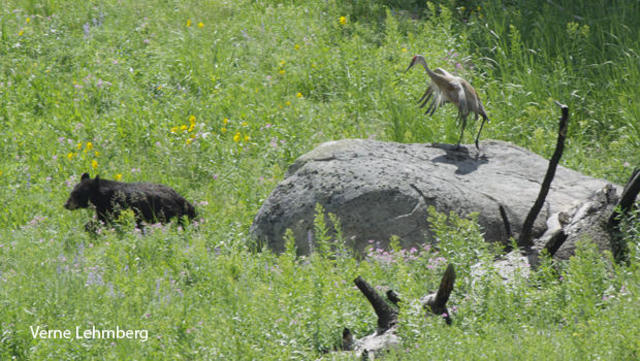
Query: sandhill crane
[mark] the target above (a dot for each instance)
(445, 87)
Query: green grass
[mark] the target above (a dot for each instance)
(266, 82)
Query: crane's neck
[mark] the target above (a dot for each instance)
(421, 60)
(440, 77)
(433, 75)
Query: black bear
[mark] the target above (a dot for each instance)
(149, 202)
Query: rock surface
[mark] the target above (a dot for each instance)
(382, 189)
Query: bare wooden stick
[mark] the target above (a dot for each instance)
(347, 339)
(507, 228)
(631, 189)
(628, 198)
(525, 242)
(393, 297)
(436, 302)
(387, 316)
(446, 286)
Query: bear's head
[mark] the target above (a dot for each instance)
(81, 193)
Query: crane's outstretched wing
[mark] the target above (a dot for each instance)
(462, 101)
(438, 98)
(426, 96)
(430, 89)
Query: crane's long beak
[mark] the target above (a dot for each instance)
(413, 62)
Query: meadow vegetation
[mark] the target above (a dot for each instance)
(217, 98)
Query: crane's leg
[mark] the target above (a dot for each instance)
(484, 118)
(464, 124)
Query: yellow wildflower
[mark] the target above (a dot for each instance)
(96, 153)
(404, 50)
(94, 164)
(118, 177)
(174, 129)
(236, 138)
(244, 124)
(247, 138)
(192, 119)
(225, 121)
(188, 22)
(191, 128)
(189, 140)
(70, 155)
(89, 145)
(282, 62)
(183, 127)
(288, 103)
(79, 146)
(28, 20)
(297, 47)
(342, 20)
(20, 32)
(223, 130)
(299, 95)
(201, 25)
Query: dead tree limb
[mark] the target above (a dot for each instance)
(347, 340)
(393, 297)
(507, 228)
(624, 206)
(628, 198)
(525, 242)
(437, 302)
(386, 338)
(387, 316)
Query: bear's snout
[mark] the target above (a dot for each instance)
(70, 205)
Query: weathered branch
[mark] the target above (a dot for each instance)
(525, 242)
(393, 297)
(386, 337)
(555, 242)
(387, 316)
(446, 286)
(631, 189)
(437, 302)
(347, 339)
(628, 198)
(507, 227)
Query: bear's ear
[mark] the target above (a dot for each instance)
(84, 176)
(96, 180)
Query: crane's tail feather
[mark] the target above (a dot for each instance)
(427, 94)
(434, 109)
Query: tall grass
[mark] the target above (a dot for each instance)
(572, 51)
(216, 99)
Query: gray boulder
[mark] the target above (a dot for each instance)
(382, 189)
